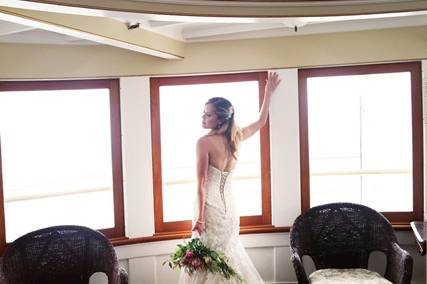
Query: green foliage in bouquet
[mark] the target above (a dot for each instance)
(195, 256)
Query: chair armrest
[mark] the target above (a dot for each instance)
(119, 275)
(399, 265)
(123, 275)
(299, 268)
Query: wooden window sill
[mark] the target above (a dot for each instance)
(244, 230)
(187, 234)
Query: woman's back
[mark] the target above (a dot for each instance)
(219, 154)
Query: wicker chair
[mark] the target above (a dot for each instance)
(342, 235)
(61, 254)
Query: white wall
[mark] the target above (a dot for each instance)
(269, 252)
(136, 153)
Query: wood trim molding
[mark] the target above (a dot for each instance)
(156, 155)
(116, 147)
(303, 132)
(265, 158)
(187, 234)
(54, 85)
(417, 140)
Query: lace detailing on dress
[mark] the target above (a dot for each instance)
(222, 231)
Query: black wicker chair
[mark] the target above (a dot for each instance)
(342, 235)
(61, 254)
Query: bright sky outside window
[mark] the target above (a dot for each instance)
(181, 109)
(56, 151)
(360, 140)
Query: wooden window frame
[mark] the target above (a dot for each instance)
(118, 231)
(396, 218)
(246, 222)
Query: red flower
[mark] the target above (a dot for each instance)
(189, 256)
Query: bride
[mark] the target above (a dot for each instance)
(217, 219)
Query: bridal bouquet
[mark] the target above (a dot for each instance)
(194, 256)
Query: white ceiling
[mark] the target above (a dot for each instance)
(208, 29)
(192, 29)
(16, 33)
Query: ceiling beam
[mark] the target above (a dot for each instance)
(157, 24)
(7, 28)
(199, 32)
(97, 29)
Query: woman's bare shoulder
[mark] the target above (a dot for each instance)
(208, 140)
(204, 141)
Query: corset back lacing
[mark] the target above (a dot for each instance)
(222, 182)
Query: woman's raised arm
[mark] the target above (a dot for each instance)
(272, 82)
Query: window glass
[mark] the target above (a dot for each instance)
(360, 140)
(56, 158)
(181, 109)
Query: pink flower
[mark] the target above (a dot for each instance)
(189, 256)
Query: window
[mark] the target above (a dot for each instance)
(177, 105)
(61, 156)
(361, 138)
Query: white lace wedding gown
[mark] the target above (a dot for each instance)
(222, 232)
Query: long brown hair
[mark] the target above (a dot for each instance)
(224, 110)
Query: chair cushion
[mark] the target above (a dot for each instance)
(348, 276)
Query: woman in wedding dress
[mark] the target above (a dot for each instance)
(217, 219)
